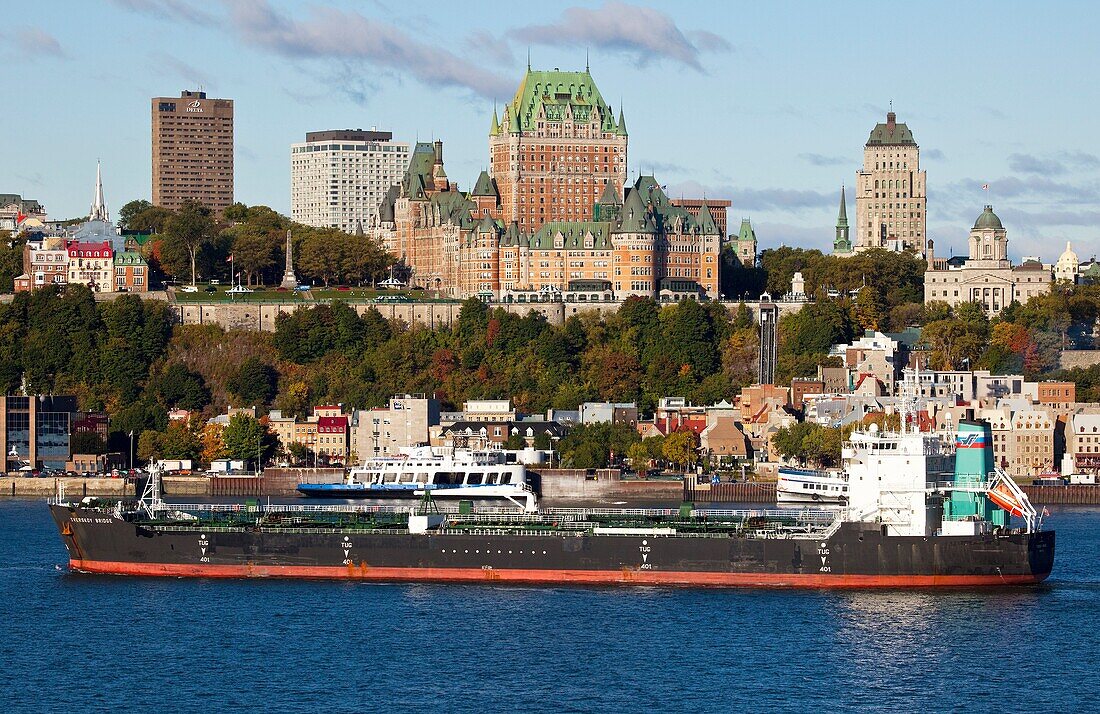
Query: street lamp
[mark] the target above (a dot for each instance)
(131, 450)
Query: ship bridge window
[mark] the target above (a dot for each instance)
(447, 478)
(422, 477)
(506, 478)
(475, 478)
(389, 477)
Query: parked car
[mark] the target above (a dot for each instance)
(211, 289)
(189, 289)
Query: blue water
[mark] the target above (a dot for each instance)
(78, 643)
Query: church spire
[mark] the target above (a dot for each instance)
(99, 205)
(842, 244)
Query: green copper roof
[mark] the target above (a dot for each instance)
(573, 235)
(559, 96)
(610, 197)
(746, 233)
(648, 210)
(621, 128)
(842, 217)
(891, 134)
(706, 223)
(129, 257)
(418, 177)
(988, 220)
(494, 129)
(514, 236)
(484, 186)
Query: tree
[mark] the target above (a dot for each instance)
(129, 210)
(245, 438)
(11, 259)
(186, 232)
(254, 382)
(638, 456)
(680, 448)
(149, 445)
(514, 442)
(255, 250)
(213, 443)
(179, 388)
(869, 308)
(179, 441)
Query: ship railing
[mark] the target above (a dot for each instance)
(321, 508)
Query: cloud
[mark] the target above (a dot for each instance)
(173, 10)
(758, 199)
(31, 42)
(819, 160)
(782, 198)
(642, 32)
(483, 42)
(1028, 164)
(171, 65)
(349, 37)
(933, 154)
(653, 167)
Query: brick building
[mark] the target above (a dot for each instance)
(556, 149)
(551, 219)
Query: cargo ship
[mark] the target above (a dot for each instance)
(920, 513)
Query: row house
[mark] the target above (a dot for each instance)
(92, 264)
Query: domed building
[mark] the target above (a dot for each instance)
(1067, 266)
(987, 276)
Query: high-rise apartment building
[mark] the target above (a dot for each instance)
(192, 150)
(339, 178)
(555, 149)
(891, 198)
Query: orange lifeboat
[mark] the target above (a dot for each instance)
(1006, 499)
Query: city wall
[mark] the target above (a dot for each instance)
(1070, 359)
(261, 316)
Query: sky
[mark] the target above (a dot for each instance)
(766, 104)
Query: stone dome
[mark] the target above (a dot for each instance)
(988, 220)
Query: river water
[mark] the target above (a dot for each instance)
(79, 643)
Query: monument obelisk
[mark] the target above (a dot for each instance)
(290, 281)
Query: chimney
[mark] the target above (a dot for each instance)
(438, 151)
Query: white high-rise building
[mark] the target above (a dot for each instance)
(339, 178)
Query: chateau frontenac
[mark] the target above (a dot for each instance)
(555, 215)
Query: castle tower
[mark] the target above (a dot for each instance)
(555, 149)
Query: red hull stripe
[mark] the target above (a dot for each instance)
(589, 577)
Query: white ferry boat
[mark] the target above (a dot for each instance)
(824, 488)
(443, 472)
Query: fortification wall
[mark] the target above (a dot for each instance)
(259, 316)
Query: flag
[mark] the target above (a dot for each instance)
(985, 187)
(131, 433)
(20, 217)
(229, 259)
(1045, 512)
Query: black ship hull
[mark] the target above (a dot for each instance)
(855, 555)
